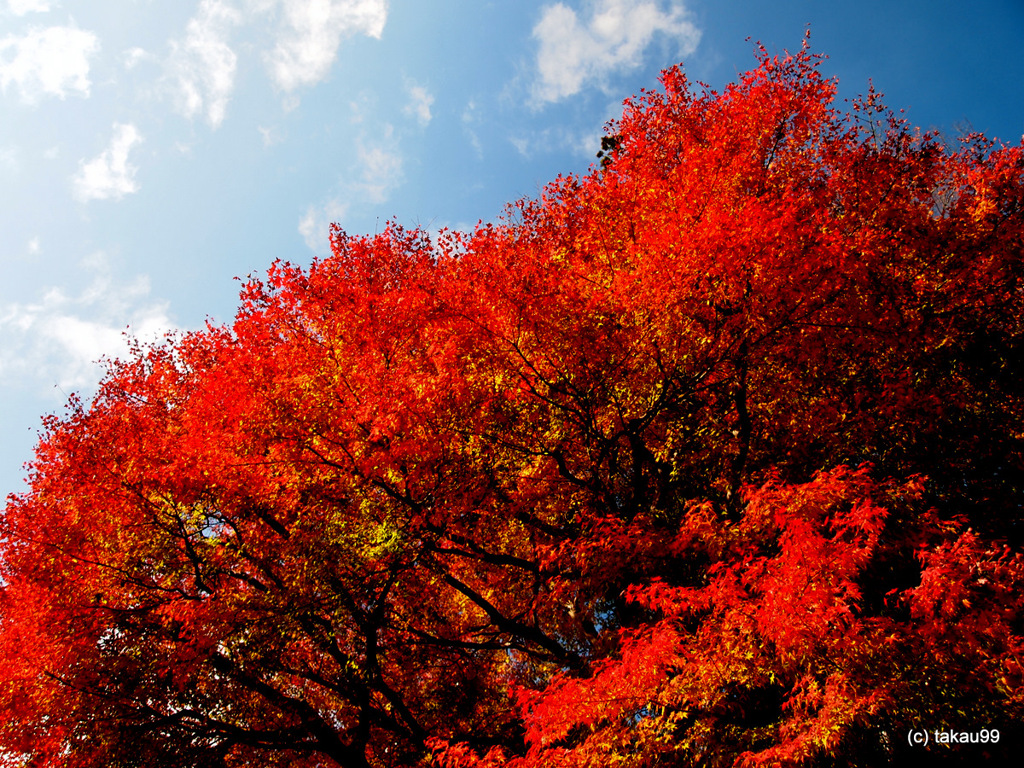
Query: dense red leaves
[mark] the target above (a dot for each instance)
(777, 659)
(712, 457)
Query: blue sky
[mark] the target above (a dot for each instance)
(150, 152)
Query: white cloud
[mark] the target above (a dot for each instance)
(61, 337)
(381, 167)
(9, 159)
(109, 175)
(271, 136)
(203, 65)
(420, 101)
(582, 142)
(47, 62)
(21, 7)
(377, 172)
(315, 225)
(131, 57)
(470, 117)
(612, 38)
(308, 45)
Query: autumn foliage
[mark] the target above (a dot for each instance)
(712, 457)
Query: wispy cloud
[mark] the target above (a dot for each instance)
(420, 101)
(202, 66)
(109, 176)
(612, 37)
(131, 57)
(271, 135)
(470, 118)
(312, 32)
(9, 159)
(579, 141)
(201, 69)
(21, 7)
(377, 171)
(60, 337)
(381, 166)
(314, 226)
(47, 62)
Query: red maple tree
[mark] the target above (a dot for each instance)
(711, 457)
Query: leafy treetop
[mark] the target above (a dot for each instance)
(710, 457)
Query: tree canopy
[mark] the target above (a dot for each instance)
(710, 457)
